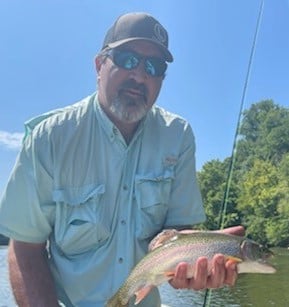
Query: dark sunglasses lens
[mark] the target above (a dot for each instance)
(155, 67)
(126, 60)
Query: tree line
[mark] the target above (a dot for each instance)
(258, 194)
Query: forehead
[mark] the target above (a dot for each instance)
(143, 47)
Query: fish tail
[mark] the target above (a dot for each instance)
(115, 301)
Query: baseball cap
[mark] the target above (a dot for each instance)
(138, 26)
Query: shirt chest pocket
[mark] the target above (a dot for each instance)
(152, 196)
(80, 219)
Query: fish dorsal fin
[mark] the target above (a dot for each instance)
(170, 235)
(162, 238)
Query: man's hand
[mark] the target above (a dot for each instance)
(222, 272)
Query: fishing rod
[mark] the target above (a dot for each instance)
(223, 209)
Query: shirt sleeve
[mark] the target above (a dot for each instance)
(25, 207)
(185, 207)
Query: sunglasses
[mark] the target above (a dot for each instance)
(128, 60)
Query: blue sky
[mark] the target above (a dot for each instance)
(47, 50)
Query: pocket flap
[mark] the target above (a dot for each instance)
(75, 196)
(151, 190)
(168, 175)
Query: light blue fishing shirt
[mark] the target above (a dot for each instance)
(98, 200)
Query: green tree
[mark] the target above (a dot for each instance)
(258, 194)
(259, 198)
(265, 132)
(213, 181)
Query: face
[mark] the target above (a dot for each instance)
(127, 95)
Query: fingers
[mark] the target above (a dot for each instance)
(180, 281)
(199, 281)
(224, 272)
(220, 273)
(231, 273)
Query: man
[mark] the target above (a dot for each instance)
(95, 181)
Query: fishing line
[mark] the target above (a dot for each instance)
(223, 209)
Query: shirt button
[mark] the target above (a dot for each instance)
(120, 260)
(125, 187)
(123, 222)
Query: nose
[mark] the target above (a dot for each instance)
(138, 73)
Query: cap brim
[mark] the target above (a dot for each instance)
(164, 50)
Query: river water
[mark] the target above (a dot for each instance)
(256, 290)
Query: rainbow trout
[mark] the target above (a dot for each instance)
(171, 247)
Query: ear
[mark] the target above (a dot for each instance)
(98, 62)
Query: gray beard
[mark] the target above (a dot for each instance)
(120, 109)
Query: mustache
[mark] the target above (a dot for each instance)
(131, 84)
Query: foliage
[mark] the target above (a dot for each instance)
(258, 189)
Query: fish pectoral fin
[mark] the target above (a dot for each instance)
(142, 293)
(232, 258)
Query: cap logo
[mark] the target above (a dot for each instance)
(160, 33)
